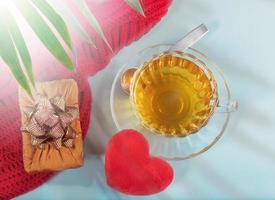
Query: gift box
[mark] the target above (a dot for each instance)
(51, 131)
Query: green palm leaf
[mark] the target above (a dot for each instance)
(92, 20)
(43, 31)
(9, 56)
(135, 4)
(13, 45)
(71, 20)
(55, 19)
(19, 43)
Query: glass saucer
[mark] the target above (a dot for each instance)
(172, 148)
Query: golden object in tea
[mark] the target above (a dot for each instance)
(172, 96)
(126, 79)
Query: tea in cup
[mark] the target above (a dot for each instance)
(172, 95)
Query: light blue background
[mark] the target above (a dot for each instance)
(242, 165)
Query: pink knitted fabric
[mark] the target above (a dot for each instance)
(122, 25)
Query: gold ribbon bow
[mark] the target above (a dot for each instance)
(49, 122)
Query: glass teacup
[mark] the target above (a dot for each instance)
(182, 95)
(173, 93)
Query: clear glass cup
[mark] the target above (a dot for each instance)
(173, 94)
(174, 148)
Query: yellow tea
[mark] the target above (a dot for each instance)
(172, 95)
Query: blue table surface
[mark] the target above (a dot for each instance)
(242, 164)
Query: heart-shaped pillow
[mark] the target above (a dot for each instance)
(122, 25)
(130, 169)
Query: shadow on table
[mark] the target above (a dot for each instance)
(102, 125)
(254, 122)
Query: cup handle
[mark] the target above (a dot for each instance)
(232, 106)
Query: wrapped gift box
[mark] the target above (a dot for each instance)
(42, 153)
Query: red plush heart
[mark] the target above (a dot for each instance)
(121, 25)
(131, 170)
